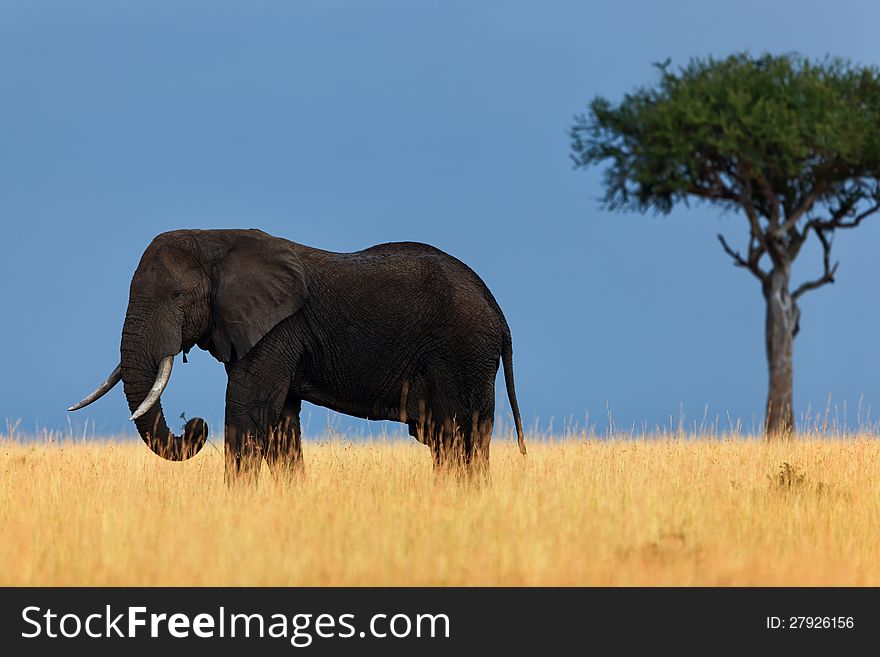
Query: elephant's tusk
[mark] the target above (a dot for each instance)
(114, 378)
(158, 388)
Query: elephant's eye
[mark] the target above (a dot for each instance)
(176, 294)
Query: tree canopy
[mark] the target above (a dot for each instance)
(776, 136)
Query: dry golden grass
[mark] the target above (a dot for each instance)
(626, 512)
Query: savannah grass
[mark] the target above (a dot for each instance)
(656, 511)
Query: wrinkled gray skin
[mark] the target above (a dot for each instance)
(398, 331)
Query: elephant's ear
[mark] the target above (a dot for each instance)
(257, 284)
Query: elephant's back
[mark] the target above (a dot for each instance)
(432, 266)
(435, 285)
(409, 257)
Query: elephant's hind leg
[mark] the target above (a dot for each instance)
(468, 447)
(478, 445)
(284, 449)
(449, 447)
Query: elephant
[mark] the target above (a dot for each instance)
(399, 331)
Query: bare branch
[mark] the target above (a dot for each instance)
(797, 241)
(771, 197)
(755, 252)
(828, 270)
(838, 217)
(859, 218)
(805, 207)
(738, 260)
(767, 241)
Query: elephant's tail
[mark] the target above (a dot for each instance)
(507, 361)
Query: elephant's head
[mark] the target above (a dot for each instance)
(220, 289)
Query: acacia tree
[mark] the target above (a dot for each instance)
(792, 145)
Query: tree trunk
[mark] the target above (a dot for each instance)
(781, 327)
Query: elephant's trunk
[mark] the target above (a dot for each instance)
(139, 374)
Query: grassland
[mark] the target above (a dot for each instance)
(662, 511)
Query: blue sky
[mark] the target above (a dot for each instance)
(345, 124)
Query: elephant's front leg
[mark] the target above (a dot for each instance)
(255, 395)
(284, 453)
(244, 454)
